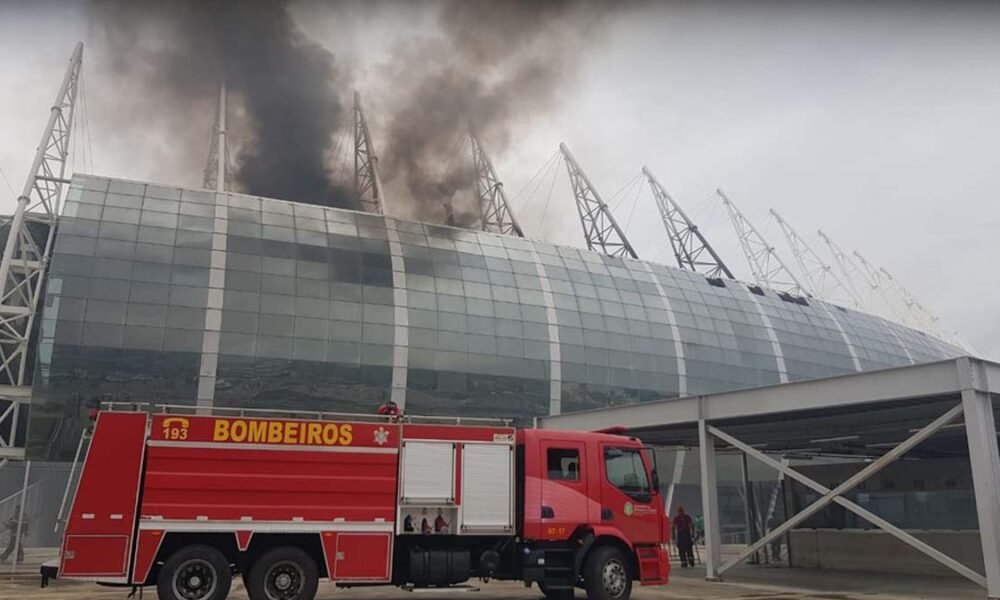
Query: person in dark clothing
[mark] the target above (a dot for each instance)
(683, 532)
(11, 526)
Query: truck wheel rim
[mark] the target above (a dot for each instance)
(614, 578)
(194, 580)
(284, 580)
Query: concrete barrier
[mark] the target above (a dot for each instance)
(876, 550)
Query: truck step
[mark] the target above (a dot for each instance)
(450, 589)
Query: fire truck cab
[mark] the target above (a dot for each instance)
(187, 501)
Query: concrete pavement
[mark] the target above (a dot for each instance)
(744, 583)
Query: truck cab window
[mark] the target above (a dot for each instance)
(626, 471)
(563, 464)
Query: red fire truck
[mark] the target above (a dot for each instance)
(185, 501)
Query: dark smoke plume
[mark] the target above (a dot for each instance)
(496, 65)
(174, 54)
(489, 65)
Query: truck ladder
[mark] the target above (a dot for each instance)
(84, 437)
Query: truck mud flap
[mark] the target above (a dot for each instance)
(49, 570)
(581, 553)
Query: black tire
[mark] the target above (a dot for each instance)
(195, 573)
(560, 594)
(606, 574)
(283, 573)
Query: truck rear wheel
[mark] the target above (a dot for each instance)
(195, 573)
(606, 575)
(283, 573)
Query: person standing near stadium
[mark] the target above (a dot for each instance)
(683, 530)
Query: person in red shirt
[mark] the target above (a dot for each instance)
(389, 409)
(440, 525)
(683, 532)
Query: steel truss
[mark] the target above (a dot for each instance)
(691, 249)
(30, 235)
(921, 317)
(216, 171)
(819, 276)
(367, 182)
(599, 226)
(848, 270)
(873, 277)
(494, 211)
(977, 409)
(767, 267)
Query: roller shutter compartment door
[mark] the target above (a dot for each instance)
(487, 488)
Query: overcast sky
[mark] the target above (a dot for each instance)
(878, 124)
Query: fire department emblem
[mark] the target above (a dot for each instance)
(629, 509)
(381, 436)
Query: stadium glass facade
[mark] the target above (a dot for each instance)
(190, 297)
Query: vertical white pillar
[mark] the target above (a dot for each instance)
(984, 457)
(675, 479)
(709, 502)
(20, 516)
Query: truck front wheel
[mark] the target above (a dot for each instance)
(283, 573)
(195, 573)
(606, 575)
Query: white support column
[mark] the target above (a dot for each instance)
(710, 502)
(984, 458)
(675, 479)
(20, 517)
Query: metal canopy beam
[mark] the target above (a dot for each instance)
(928, 380)
(599, 226)
(767, 267)
(691, 249)
(29, 245)
(494, 210)
(367, 181)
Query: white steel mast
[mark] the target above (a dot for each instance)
(494, 210)
(691, 249)
(819, 276)
(874, 279)
(217, 171)
(599, 226)
(767, 267)
(367, 182)
(848, 270)
(30, 234)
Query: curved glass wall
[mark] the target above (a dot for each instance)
(169, 295)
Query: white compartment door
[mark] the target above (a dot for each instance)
(487, 488)
(428, 472)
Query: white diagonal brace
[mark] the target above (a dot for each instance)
(783, 468)
(849, 484)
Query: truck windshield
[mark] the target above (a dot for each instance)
(626, 470)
